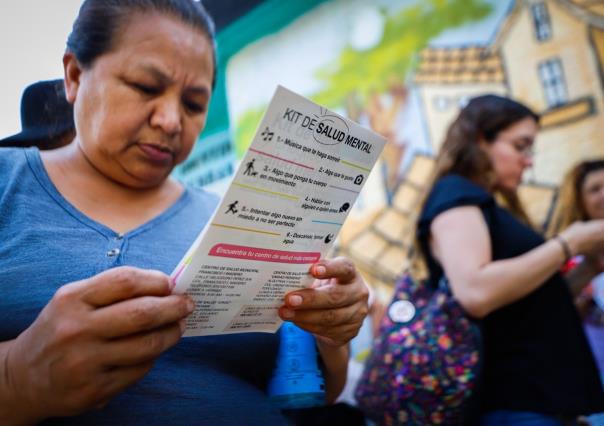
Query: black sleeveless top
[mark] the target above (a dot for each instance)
(536, 355)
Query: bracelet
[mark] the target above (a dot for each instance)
(565, 247)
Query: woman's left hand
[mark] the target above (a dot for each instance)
(334, 307)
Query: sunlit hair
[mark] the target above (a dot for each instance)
(570, 206)
(481, 120)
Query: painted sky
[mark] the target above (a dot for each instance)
(33, 34)
(316, 36)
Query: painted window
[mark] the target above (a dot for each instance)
(552, 80)
(543, 27)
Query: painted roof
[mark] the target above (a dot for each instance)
(469, 64)
(590, 11)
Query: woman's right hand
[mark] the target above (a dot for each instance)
(93, 339)
(585, 238)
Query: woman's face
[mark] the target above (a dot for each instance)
(511, 153)
(592, 194)
(140, 107)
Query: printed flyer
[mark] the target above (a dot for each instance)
(283, 210)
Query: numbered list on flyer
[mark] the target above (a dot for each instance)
(282, 212)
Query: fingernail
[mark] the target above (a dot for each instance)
(190, 305)
(287, 313)
(295, 300)
(183, 325)
(320, 270)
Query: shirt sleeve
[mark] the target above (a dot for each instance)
(449, 192)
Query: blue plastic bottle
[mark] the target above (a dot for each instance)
(297, 380)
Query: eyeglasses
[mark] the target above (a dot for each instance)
(523, 146)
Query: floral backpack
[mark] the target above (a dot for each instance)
(424, 365)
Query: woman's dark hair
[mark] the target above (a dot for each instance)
(98, 21)
(481, 120)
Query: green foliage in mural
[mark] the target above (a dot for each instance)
(246, 128)
(405, 34)
(355, 75)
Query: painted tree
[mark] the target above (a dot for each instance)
(361, 81)
(384, 67)
(358, 79)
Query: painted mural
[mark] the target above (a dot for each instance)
(357, 57)
(405, 67)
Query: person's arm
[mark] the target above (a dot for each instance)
(92, 340)
(12, 411)
(460, 241)
(335, 360)
(333, 310)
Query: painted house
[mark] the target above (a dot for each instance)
(547, 53)
(447, 77)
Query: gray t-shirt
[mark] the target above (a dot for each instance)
(46, 243)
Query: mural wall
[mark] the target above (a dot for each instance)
(405, 67)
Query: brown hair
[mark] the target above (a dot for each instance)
(482, 119)
(570, 206)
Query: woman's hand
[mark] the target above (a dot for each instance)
(334, 308)
(585, 237)
(93, 339)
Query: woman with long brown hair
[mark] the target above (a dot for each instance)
(581, 198)
(538, 368)
(578, 198)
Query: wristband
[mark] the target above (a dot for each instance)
(565, 248)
